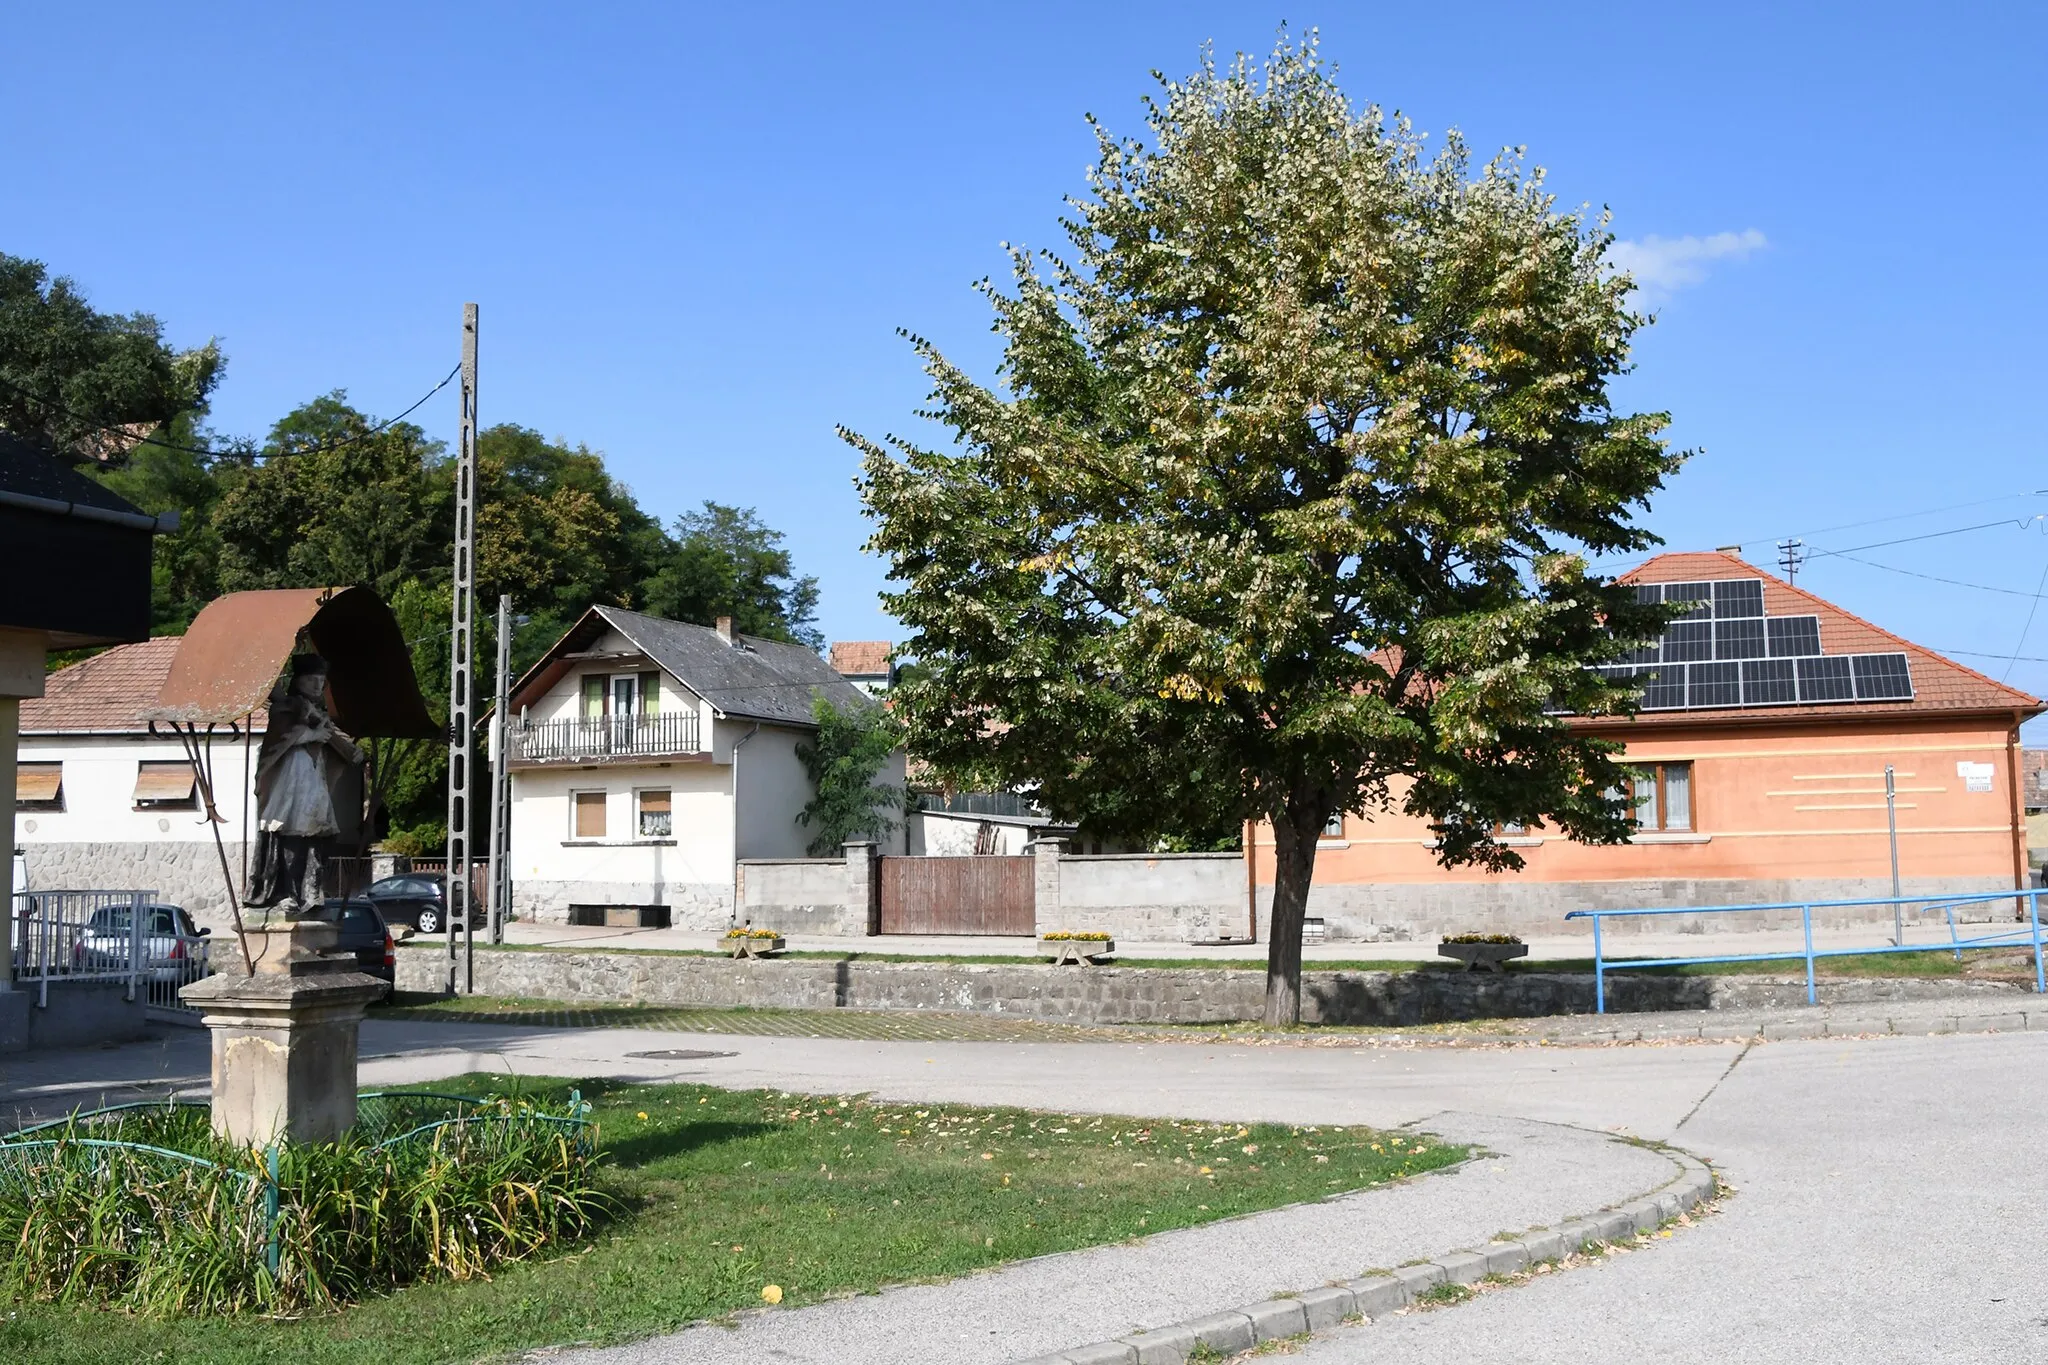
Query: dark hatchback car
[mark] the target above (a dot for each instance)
(364, 934)
(418, 900)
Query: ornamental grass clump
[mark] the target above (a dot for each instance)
(156, 1215)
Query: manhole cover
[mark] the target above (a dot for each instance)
(679, 1054)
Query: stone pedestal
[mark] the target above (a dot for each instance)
(284, 1039)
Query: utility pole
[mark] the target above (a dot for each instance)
(1891, 820)
(1791, 554)
(461, 657)
(500, 889)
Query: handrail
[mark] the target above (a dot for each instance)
(1947, 904)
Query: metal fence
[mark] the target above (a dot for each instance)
(2027, 935)
(119, 936)
(604, 737)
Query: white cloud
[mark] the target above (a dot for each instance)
(1661, 266)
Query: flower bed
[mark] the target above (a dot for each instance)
(753, 942)
(1078, 948)
(142, 1207)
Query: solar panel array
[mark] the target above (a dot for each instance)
(1726, 652)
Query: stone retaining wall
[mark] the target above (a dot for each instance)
(1112, 995)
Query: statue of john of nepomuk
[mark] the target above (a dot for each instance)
(298, 768)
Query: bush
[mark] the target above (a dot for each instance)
(153, 1213)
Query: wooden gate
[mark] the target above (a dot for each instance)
(973, 895)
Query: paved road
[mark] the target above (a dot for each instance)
(1889, 1198)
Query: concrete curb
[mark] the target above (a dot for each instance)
(1328, 1306)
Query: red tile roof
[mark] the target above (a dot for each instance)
(861, 658)
(108, 692)
(1940, 685)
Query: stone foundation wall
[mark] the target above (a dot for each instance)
(1111, 995)
(1410, 912)
(185, 873)
(700, 906)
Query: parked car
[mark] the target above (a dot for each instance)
(365, 934)
(174, 949)
(415, 898)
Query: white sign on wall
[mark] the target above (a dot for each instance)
(1976, 776)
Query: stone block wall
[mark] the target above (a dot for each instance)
(184, 873)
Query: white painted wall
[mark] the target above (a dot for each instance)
(545, 847)
(99, 791)
(773, 788)
(563, 701)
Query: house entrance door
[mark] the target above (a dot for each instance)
(971, 895)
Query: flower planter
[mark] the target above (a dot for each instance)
(1493, 957)
(754, 947)
(1079, 952)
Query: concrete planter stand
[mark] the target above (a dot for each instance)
(1079, 952)
(284, 1039)
(751, 947)
(1493, 957)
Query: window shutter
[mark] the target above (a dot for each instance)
(650, 694)
(593, 696)
(590, 815)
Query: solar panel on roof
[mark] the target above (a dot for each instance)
(1713, 685)
(1825, 679)
(1769, 682)
(1738, 597)
(1739, 639)
(1648, 654)
(1663, 688)
(1686, 641)
(1793, 637)
(1882, 677)
(1649, 592)
(1701, 595)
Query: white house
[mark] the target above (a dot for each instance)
(649, 757)
(101, 803)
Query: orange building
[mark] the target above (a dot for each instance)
(1769, 719)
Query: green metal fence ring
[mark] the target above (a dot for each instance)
(553, 1119)
(8, 1148)
(80, 1115)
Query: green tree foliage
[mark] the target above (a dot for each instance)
(852, 746)
(1282, 510)
(725, 562)
(84, 382)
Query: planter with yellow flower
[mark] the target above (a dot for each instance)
(1490, 951)
(742, 942)
(1074, 948)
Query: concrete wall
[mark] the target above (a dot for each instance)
(773, 789)
(79, 1014)
(1103, 995)
(801, 896)
(1161, 897)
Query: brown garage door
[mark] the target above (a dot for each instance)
(975, 895)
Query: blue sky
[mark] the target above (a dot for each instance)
(693, 231)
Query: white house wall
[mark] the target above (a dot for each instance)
(690, 872)
(100, 841)
(774, 789)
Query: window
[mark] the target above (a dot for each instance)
(1333, 828)
(165, 786)
(39, 786)
(654, 815)
(589, 814)
(593, 696)
(1662, 793)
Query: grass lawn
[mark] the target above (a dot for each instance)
(723, 1193)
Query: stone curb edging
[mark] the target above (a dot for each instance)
(1316, 1310)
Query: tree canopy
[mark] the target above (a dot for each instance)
(1282, 506)
(89, 384)
(849, 751)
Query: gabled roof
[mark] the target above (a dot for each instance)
(1940, 684)
(105, 694)
(751, 678)
(861, 658)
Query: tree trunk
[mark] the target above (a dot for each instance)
(1295, 832)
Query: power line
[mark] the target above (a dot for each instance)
(2022, 641)
(1984, 654)
(201, 450)
(1935, 578)
(1902, 516)
(1936, 535)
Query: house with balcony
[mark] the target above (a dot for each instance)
(649, 758)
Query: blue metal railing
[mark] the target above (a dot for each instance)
(2029, 936)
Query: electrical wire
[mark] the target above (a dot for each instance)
(201, 450)
(2022, 524)
(2022, 642)
(1937, 578)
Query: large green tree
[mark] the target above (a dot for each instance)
(1281, 509)
(726, 562)
(89, 384)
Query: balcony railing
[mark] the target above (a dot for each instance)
(605, 737)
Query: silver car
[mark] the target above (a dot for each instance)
(174, 949)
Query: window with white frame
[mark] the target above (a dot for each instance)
(655, 817)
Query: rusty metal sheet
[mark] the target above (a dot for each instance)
(240, 644)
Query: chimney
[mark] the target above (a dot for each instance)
(725, 629)
(1735, 550)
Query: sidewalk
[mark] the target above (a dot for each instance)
(1539, 1175)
